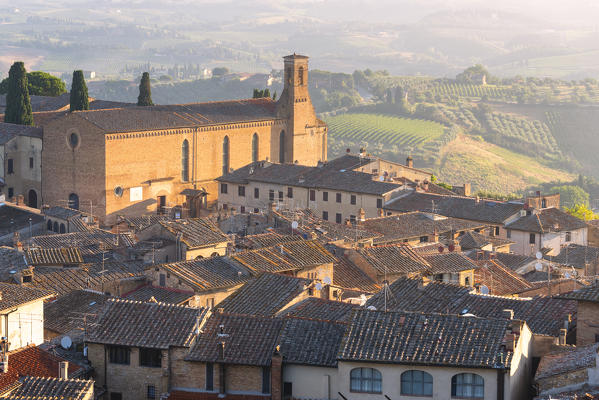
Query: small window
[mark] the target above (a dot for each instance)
(312, 195)
(11, 192)
(416, 383)
(352, 219)
(352, 199)
(150, 357)
(118, 191)
(49, 225)
(568, 236)
(118, 354)
(532, 238)
(151, 392)
(366, 380)
(379, 203)
(116, 396)
(280, 196)
(338, 197)
(290, 192)
(325, 196)
(338, 218)
(209, 376)
(241, 191)
(185, 161)
(468, 386)
(73, 140)
(496, 231)
(162, 279)
(266, 380)
(30, 162)
(325, 215)
(596, 337)
(508, 233)
(27, 278)
(423, 239)
(271, 195)
(55, 227)
(256, 193)
(256, 211)
(223, 188)
(63, 228)
(242, 209)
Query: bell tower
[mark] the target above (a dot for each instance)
(304, 140)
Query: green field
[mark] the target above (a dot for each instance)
(383, 129)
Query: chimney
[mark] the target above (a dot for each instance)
(467, 189)
(410, 162)
(276, 375)
(477, 199)
(508, 313)
(381, 212)
(562, 336)
(63, 370)
(362, 215)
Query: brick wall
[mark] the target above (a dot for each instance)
(587, 319)
(558, 381)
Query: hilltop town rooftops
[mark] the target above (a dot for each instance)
(38, 388)
(473, 240)
(427, 339)
(15, 295)
(65, 314)
(61, 256)
(499, 279)
(348, 276)
(394, 259)
(547, 220)
(149, 293)
(567, 360)
(309, 177)
(317, 308)
(196, 232)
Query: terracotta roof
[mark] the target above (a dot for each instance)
(11, 261)
(61, 212)
(416, 224)
(569, 360)
(576, 256)
(590, 294)
(348, 162)
(436, 189)
(38, 388)
(33, 361)
(473, 240)
(159, 294)
(348, 276)
(499, 279)
(88, 243)
(144, 221)
(266, 295)
(547, 220)
(10, 131)
(398, 259)
(209, 273)
(448, 262)
(543, 315)
(456, 206)
(196, 232)
(154, 325)
(249, 340)
(133, 119)
(268, 239)
(66, 313)
(310, 342)
(317, 308)
(309, 177)
(427, 339)
(61, 256)
(510, 260)
(16, 295)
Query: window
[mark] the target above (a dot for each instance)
(282, 147)
(63, 228)
(185, 161)
(532, 239)
(256, 211)
(74, 201)
(470, 386)
(242, 209)
(352, 199)
(49, 226)
(162, 279)
(325, 196)
(32, 199)
(338, 218)
(116, 396)
(352, 219)
(312, 195)
(338, 197)
(209, 376)
(596, 337)
(223, 188)
(290, 192)
(11, 192)
(241, 191)
(568, 236)
(418, 383)
(300, 76)
(271, 195)
(150, 357)
(508, 233)
(226, 156)
(151, 392)
(55, 227)
(73, 140)
(30, 162)
(365, 380)
(423, 239)
(544, 203)
(255, 153)
(496, 231)
(266, 380)
(256, 193)
(287, 390)
(280, 196)
(118, 354)
(325, 215)
(379, 203)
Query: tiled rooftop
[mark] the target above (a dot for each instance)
(13, 218)
(66, 313)
(89, 243)
(10, 131)
(61, 212)
(547, 220)
(568, 360)
(474, 240)
(590, 294)
(397, 259)
(159, 294)
(12, 295)
(448, 262)
(348, 276)
(576, 256)
(45, 388)
(196, 232)
(499, 279)
(317, 308)
(62, 256)
(268, 239)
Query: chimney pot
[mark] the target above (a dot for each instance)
(562, 336)
(63, 370)
(410, 162)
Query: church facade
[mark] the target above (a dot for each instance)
(132, 161)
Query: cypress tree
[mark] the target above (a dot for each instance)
(145, 92)
(266, 93)
(274, 96)
(79, 97)
(18, 104)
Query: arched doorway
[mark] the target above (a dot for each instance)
(32, 198)
(74, 201)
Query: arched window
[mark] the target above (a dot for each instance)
(55, 227)
(255, 143)
(226, 155)
(74, 201)
(282, 147)
(416, 383)
(63, 229)
(32, 199)
(470, 386)
(49, 225)
(300, 76)
(366, 380)
(185, 161)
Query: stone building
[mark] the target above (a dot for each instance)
(134, 160)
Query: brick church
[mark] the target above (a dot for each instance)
(136, 160)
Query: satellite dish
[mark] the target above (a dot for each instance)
(484, 289)
(66, 342)
(327, 280)
(539, 266)
(294, 225)
(381, 178)
(567, 275)
(318, 286)
(539, 255)
(85, 351)
(371, 308)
